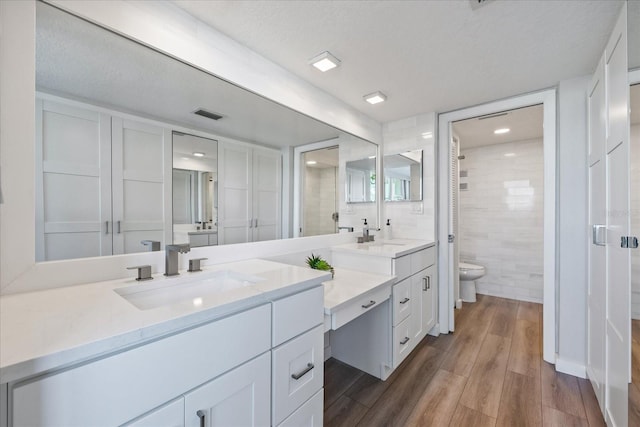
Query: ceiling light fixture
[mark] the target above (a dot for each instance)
(501, 131)
(198, 154)
(311, 162)
(510, 154)
(325, 61)
(372, 157)
(427, 135)
(375, 98)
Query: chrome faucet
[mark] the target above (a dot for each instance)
(171, 258)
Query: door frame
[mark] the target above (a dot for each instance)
(446, 300)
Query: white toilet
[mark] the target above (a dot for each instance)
(469, 273)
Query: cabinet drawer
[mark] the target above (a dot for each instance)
(197, 240)
(359, 306)
(422, 259)
(401, 341)
(401, 301)
(402, 267)
(297, 372)
(298, 313)
(138, 380)
(213, 239)
(309, 415)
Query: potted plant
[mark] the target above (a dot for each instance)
(316, 262)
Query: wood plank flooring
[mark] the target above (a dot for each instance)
(490, 373)
(634, 387)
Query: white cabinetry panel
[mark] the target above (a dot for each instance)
(237, 398)
(169, 415)
(308, 415)
(298, 368)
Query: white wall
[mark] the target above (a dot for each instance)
(413, 220)
(501, 217)
(635, 219)
(572, 225)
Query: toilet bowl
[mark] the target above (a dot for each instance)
(469, 273)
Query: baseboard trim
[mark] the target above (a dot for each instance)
(571, 368)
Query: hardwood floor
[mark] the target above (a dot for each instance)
(634, 387)
(490, 372)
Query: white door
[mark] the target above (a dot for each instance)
(240, 398)
(618, 326)
(73, 182)
(267, 190)
(596, 297)
(139, 165)
(234, 207)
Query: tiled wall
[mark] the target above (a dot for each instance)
(635, 219)
(501, 217)
(413, 220)
(319, 201)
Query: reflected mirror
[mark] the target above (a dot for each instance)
(113, 169)
(361, 180)
(403, 177)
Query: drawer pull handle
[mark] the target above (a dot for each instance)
(404, 341)
(369, 305)
(201, 414)
(304, 372)
(404, 301)
(426, 283)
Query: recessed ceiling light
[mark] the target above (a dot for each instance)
(427, 135)
(375, 98)
(198, 154)
(311, 162)
(372, 157)
(510, 154)
(325, 61)
(501, 131)
(186, 158)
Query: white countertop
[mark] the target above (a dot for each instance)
(386, 248)
(45, 330)
(348, 285)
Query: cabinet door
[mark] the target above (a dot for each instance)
(169, 415)
(416, 327)
(308, 415)
(240, 397)
(428, 299)
(140, 205)
(234, 188)
(73, 182)
(267, 185)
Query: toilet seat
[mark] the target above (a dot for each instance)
(469, 267)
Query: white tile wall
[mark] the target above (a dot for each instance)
(319, 201)
(501, 218)
(635, 219)
(413, 219)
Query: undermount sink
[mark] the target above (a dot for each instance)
(193, 287)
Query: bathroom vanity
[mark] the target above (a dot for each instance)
(238, 343)
(388, 307)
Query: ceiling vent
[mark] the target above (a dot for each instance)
(208, 114)
(476, 4)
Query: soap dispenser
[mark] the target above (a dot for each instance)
(387, 230)
(365, 231)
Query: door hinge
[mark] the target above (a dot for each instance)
(629, 242)
(452, 237)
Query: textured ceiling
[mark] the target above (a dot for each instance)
(524, 124)
(425, 55)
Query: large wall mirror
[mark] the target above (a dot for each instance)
(134, 147)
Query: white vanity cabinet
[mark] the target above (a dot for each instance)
(203, 238)
(256, 367)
